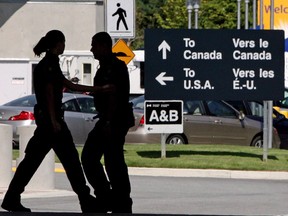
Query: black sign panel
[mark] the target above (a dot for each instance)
(214, 64)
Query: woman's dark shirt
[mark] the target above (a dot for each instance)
(48, 71)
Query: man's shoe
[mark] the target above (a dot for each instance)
(123, 205)
(14, 207)
(90, 204)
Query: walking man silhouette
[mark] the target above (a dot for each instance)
(122, 14)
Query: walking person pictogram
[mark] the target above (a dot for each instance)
(122, 14)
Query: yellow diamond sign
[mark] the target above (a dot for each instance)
(122, 51)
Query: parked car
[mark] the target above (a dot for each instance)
(281, 106)
(254, 110)
(79, 113)
(205, 122)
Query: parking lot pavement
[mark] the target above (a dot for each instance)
(165, 172)
(53, 202)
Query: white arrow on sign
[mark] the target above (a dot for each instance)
(164, 46)
(161, 78)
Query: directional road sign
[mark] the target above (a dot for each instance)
(123, 51)
(120, 18)
(214, 64)
(163, 116)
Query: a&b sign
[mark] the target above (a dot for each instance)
(163, 116)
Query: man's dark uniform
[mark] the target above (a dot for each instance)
(48, 72)
(113, 116)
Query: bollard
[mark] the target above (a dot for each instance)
(6, 132)
(43, 179)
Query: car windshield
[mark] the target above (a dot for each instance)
(217, 108)
(28, 101)
(256, 108)
(138, 102)
(284, 103)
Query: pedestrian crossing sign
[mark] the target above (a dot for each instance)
(120, 18)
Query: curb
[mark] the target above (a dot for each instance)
(230, 174)
(201, 173)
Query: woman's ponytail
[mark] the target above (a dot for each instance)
(48, 42)
(41, 46)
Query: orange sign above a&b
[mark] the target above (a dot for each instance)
(123, 51)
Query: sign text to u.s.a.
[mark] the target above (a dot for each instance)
(163, 116)
(214, 64)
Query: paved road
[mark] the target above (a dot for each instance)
(180, 195)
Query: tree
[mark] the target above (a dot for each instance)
(173, 14)
(146, 11)
(213, 14)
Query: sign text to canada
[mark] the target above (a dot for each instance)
(214, 64)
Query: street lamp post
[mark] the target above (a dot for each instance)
(189, 10)
(190, 4)
(196, 11)
(238, 14)
(246, 14)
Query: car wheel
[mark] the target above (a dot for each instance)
(257, 142)
(175, 139)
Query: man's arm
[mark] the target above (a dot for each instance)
(84, 88)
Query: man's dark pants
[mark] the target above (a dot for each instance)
(116, 190)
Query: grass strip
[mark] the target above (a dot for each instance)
(228, 157)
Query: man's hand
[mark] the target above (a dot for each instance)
(56, 126)
(108, 88)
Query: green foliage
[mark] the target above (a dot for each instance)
(146, 11)
(173, 14)
(213, 14)
(218, 14)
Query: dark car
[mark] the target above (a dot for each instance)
(254, 110)
(205, 122)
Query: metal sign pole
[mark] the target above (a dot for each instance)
(265, 130)
(265, 138)
(163, 145)
(268, 105)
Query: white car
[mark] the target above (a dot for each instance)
(79, 115)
